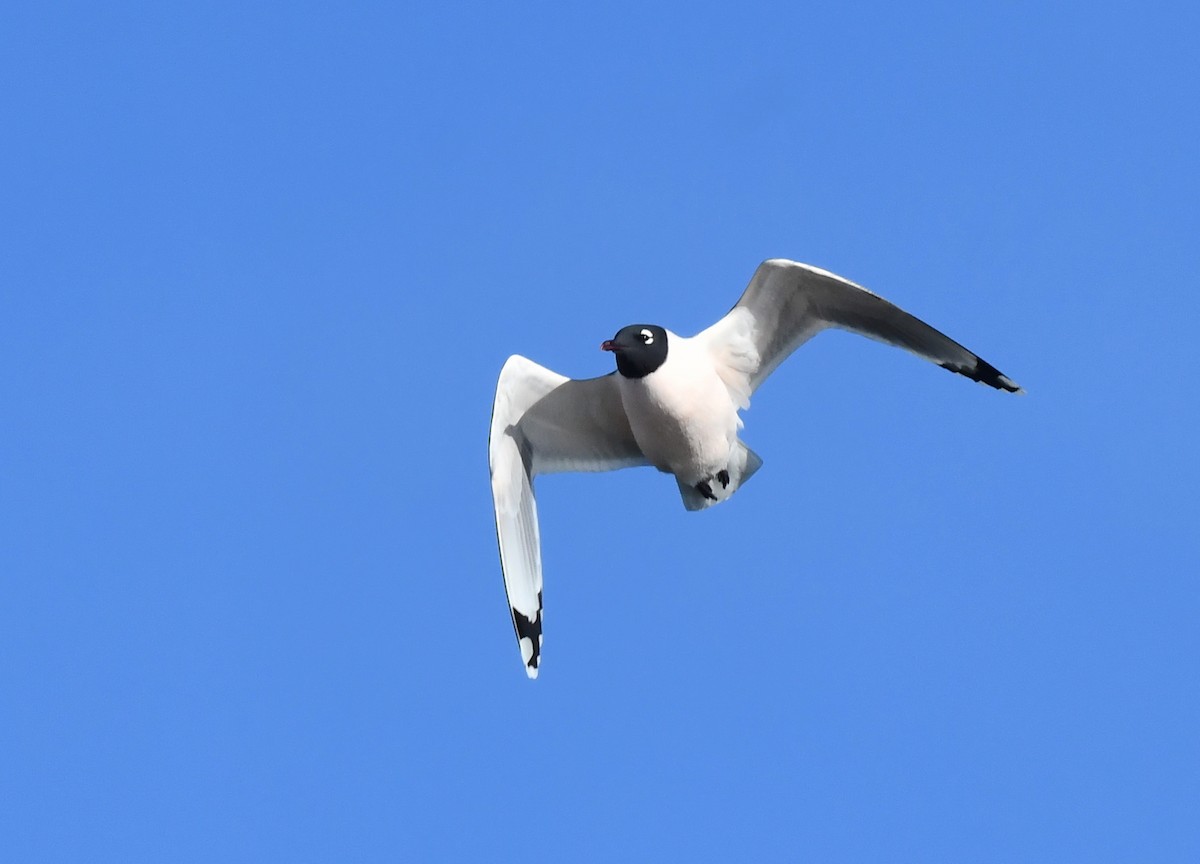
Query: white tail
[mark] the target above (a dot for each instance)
(741, 468)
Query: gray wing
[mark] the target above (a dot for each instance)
(543, 423)
(787, 303)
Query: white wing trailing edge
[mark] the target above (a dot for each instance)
(543, 423)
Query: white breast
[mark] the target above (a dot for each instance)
(681, 414)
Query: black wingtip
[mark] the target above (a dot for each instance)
(531, 630)
(985, 373)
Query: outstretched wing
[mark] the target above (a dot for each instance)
(787, 303)
(542, 423)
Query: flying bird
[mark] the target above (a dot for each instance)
(673, 403)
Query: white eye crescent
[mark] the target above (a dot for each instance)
(647, 337)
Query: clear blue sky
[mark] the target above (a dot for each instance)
(260, 266)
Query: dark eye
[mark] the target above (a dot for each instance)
(646, 336)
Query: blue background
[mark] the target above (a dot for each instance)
(260, 266)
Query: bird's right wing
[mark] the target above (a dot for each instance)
(543, 423)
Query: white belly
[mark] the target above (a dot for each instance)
(682, 416)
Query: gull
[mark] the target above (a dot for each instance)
(673, 404)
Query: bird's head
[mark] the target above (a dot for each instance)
(640, 349)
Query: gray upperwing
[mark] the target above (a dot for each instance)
(787, 303)
(543, 422)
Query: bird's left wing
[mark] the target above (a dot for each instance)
(787, 303)
(543, 423)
